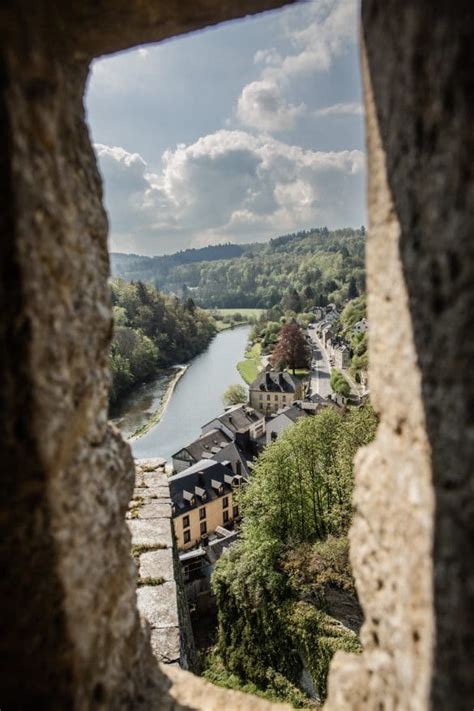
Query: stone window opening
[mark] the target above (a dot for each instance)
(68, 473)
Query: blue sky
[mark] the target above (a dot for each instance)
(241, 132)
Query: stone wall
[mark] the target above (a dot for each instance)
(161, 596)
(71, 635)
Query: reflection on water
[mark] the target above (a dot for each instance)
(137, 407)
(198, 396)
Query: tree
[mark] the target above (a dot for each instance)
(235, 394)
(352, 291)
(339, 384)
(292, 348)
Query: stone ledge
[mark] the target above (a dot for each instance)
(150, 524)
(192, 692)
(158, 604)
(156, 564)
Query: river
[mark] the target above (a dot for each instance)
(196, 399)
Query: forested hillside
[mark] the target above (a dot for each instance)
(316, 266)
(284, 592)
(152, 331)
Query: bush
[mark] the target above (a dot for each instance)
(339, 383)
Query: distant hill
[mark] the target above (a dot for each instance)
(317, 264)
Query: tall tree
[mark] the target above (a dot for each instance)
(352, 291)
(292, 349)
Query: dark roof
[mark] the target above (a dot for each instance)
(234, 453)
(198, 484)
(293, 412)
(206, 445)
(239, 418)
(275, 381)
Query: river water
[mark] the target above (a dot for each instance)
(196, 399)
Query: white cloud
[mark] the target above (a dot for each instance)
(347, 109)
(323, 30)
(263, 106)
(228, 185)
(267, 56)
(328, 28)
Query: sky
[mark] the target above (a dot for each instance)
(238, 133)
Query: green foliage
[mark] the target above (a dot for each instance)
(152, 331)
(278, 688)
(270, 586)
(339, 383)
(319, 637)
(312, 568)
(306, 269)
(234, 394)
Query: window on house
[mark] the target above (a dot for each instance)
(185, 521)
(273, 436)
(225, 516)
(202, 513)
(187, 536)
(225, 502)
(235, 511)
(203, 528)
(239, 468)
(268, 396)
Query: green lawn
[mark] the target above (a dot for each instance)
(244, 312)
(250, 367)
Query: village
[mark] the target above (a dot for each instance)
(206, 475)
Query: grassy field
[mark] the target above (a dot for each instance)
(250, 367)
(245, 312)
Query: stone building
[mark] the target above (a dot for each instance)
(273, 389)
(217, 445)
(202, 500)
(71, 634)
(241, 423)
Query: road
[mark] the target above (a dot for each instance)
(321, 374)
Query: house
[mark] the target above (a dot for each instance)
(283, 419)
(341, 356)
(217, 445)
(326, 332)
(273, 390)
(241, 423)
(202, 500)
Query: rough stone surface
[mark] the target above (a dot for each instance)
(152, 532)
(411, 542)
(156, 564)
(71, 635)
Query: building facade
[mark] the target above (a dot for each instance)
(273, 390)
(203, 498)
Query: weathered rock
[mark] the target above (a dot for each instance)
(157, 564)
(71, 636)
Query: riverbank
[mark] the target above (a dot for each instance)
(196, 398)
(250, 367)
(158, 414)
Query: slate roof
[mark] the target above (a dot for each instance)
(197, 485)
(239, 418)
(206, 445)
(275, 381)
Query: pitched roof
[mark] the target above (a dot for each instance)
(275, 381)
(292, 412)
(206, 445)
(239, 418)
(202, 482)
